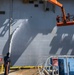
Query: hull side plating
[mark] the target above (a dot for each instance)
(35, 35)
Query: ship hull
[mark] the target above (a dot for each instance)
(33, 35)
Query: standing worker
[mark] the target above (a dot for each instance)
(58, 18)
(68, 17)
(7, 64)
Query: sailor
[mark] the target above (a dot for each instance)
(6, 64)
(58, 18)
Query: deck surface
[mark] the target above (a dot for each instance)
(24, 72)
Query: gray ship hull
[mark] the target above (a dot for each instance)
(34, 34)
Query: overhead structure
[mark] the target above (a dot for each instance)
(65, 21)
(55, 2)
